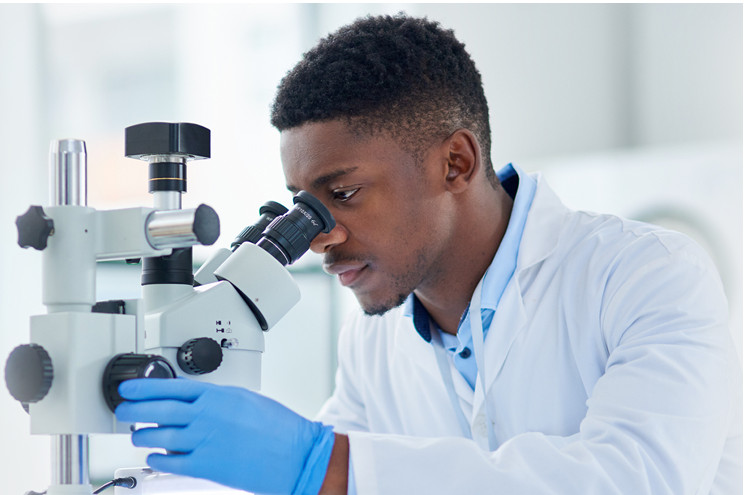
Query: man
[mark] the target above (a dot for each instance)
(601, 361)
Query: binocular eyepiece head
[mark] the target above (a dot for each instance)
(287, 235)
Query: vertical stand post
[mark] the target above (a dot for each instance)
(68, 179)
(70, 460)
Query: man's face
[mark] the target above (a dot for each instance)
(391, 212)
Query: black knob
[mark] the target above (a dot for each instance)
(128, 366)
(34, 228)
(167, 138)
(28, 373)
(199, 356)
(206, 225)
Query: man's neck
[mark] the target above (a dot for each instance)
(474, 249)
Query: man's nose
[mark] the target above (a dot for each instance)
(324, 242)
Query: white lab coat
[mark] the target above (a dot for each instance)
(610, 370)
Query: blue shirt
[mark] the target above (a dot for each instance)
(460, 346)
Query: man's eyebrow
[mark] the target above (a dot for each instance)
(324, 179)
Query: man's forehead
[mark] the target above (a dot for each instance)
(315, 154)
(324, 133)
(319, 152)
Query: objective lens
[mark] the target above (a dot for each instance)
(289, 236)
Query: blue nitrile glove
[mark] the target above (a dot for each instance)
(227, 434)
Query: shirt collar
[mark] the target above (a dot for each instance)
(504, 263)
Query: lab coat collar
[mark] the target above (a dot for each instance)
(543, 225)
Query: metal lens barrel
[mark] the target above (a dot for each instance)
(289, 236)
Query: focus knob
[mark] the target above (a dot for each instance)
(128, 366)
(28, 373)
(34, 228)
(199, 356)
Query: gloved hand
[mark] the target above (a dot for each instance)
(227, 434)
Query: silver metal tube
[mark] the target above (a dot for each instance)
(70, 460)
(167, 200)
(171, 229)
(68, 186)
(166, 158)
(68, 173)
(166, 229)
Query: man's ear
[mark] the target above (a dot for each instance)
(464, 159)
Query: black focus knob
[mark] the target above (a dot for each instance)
(128, 366)
(34, 228)
(29, 373)
(199, 356)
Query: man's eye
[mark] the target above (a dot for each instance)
(344, 194)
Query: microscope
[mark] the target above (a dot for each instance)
(207, 326)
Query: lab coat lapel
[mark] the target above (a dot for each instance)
(509, 320)
(413, 347)
(416, 349)
(544, 224)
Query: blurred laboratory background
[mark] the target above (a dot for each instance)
(632, 109)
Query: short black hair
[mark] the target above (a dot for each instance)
(406, 76)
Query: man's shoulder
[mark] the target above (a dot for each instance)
(614, 236)
(562, 242)
(607, 231)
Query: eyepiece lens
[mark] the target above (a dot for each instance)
(289, 236)
(318, 209)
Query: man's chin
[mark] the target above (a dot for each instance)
(376, 308)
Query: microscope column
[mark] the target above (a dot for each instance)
(167, 278)
(68, 187)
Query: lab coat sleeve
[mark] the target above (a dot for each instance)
(344, 409)
(657, 419)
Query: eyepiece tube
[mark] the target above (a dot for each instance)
(289, 236)
(269, 211)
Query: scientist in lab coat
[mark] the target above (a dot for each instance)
(505, 344)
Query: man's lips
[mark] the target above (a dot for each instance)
(348, 273)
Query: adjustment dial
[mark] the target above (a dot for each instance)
(128, 366)
(29, 373)
(199, 356)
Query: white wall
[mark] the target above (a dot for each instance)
(686, 73)
(24, 460)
